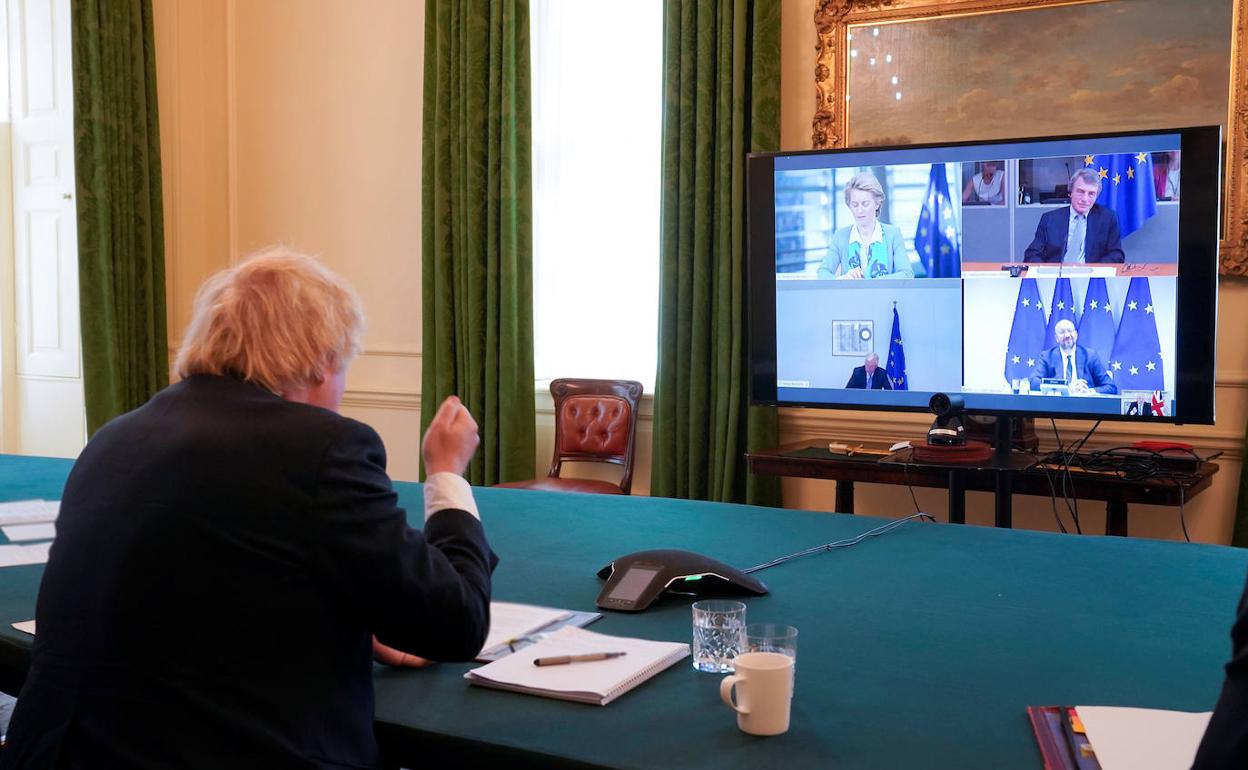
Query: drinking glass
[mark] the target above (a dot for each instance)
(718, 634)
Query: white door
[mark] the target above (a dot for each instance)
(44, 395)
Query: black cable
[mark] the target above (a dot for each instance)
(881, 530)
(1182, 518)
(1064, 472)
(1052, 491)
(1132, 463)
(905, 467)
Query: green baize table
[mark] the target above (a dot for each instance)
(917, 649)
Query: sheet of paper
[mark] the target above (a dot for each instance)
(16, 532)
(29, 511)
(510, 621)
(1143, 739)
(14, 555)
(27, 626)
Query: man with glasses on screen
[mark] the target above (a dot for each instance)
(1084, 231)
(869, 376)
(1077, 367)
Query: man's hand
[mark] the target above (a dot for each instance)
(392, 657)
(1079, 387)
(451, 439)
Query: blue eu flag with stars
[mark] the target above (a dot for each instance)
(1061, 308)
(936, 238)
(1026, 332)
(1096, 323)
(1136, 360)
(896, 369)
(1126, 187)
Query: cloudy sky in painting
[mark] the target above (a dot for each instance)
(1112, 66)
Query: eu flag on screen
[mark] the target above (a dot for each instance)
(1136, 360)
(1026, 333)
(896, 369)
(936, 238)
(1096, 323)
(1061, 308)
(1126, 187)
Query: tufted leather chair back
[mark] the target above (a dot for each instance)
(596, 421)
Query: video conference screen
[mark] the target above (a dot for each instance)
(1030, 276)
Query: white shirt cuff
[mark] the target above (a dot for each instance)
(449, 490)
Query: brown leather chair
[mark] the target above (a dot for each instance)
(595, 421)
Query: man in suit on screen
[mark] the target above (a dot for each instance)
(1082, 232)
(869, 376)
(1078, 367)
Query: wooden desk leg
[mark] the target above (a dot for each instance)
(844, 496)
(1116, 518)
(957, 498)
(1004, 500)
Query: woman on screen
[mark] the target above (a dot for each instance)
(868, 248)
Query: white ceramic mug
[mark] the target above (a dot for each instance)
(764, 689)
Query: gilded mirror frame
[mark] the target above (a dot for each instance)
(830, 126)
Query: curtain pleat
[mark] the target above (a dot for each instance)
(477, 261)
(121, 261)
(721, 100)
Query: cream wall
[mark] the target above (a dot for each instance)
(299, 121)
(1209, 517)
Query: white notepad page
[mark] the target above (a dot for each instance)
(29, 511)
(599, 681)
(511, 621)
(1143, 739)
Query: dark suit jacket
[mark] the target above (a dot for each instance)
(1225, 745)
(221, 558)
(1088, 367)
(879, 380)
(1101, 241)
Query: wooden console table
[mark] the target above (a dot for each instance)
(1018, 476)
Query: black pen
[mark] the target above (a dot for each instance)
(559, 660)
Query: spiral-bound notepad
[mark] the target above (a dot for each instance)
(599, 681)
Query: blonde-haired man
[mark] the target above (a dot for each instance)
(226, 552)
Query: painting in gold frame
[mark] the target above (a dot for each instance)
(1142, 97)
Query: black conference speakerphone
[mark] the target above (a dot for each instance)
(634, 581)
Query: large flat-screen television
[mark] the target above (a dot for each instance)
(1060, 277)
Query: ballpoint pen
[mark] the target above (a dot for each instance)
(559, 660)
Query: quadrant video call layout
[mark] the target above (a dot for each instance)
(1037, 270)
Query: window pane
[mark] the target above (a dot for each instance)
(597, 111)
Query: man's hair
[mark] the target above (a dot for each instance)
(865, 181)
(872, 356)
(279, 319)
(1067, 321)
(1088, 175)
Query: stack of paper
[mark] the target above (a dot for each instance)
(29, 511)
(1143, 739)
(27, 520)
(599, 681)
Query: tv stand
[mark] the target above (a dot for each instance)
(1006, 474)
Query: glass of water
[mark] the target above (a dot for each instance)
(718, 634)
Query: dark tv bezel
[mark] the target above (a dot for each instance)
(1200, 179)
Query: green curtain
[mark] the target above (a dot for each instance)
(721, 99)
(476, 237)
(121, 246)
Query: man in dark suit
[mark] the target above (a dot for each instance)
(1079, 367)
(869, 376)
(1225, 744)
(228, 554)
(1082, 232)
